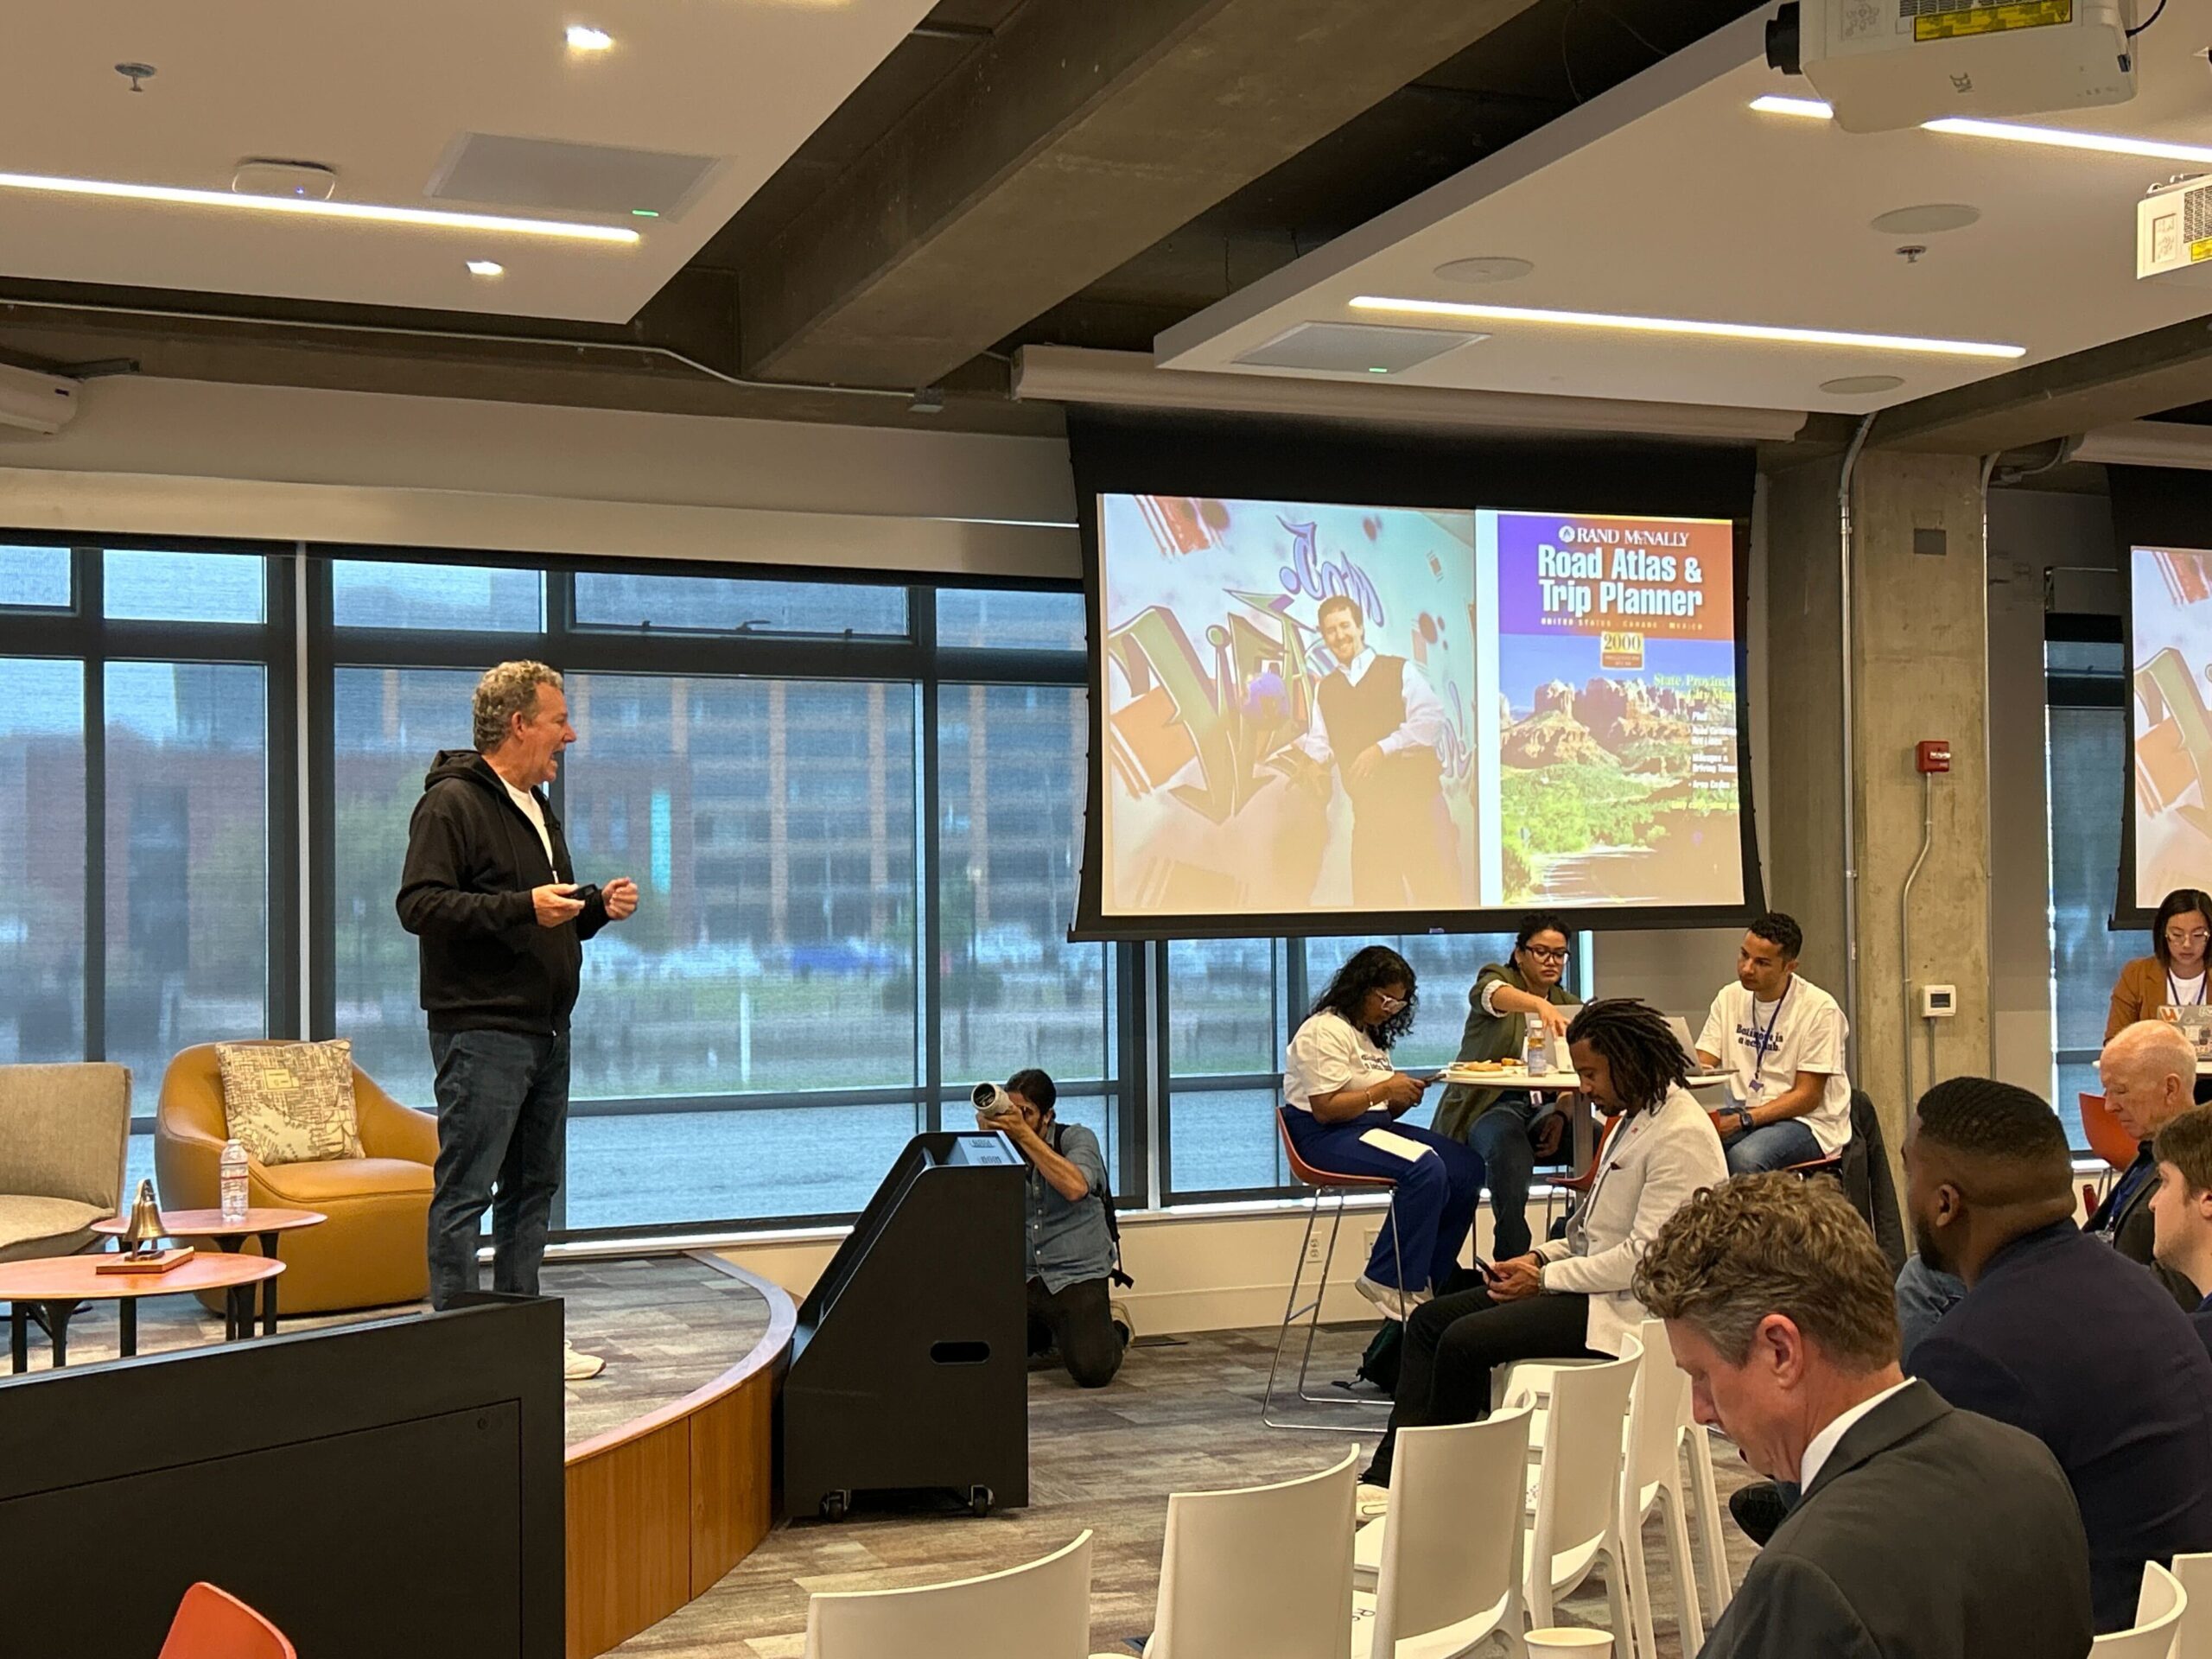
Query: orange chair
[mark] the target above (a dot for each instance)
(373, 1250)
(2106, 1139)
(214, 1624)
(1324, 1184)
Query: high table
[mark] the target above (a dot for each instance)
(1561, 1082)
(264, 1222)
(62, 1281)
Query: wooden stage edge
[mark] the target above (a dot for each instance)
(660, 1508)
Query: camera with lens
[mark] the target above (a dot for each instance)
(992, 1101)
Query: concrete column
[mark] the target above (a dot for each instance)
(1919, 669)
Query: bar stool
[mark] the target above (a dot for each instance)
(1324, 1184)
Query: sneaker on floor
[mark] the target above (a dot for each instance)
(1370, 1501)
(1122, 1321)
(1398, 1304)
(578, 1367)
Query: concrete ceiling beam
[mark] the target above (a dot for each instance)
(1081, 136)
(2126, 380)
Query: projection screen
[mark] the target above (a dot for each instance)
(1316, 716)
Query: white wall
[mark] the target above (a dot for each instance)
(2031, 532)
(175, 457)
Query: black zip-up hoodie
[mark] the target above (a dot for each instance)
(472, 861)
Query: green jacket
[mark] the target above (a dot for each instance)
(1488, 1037)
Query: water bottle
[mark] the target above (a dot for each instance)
(233, 1182)
(1537, 1055)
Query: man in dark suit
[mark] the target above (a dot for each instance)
(2149, 1073)
(2058, 1335)
(1924, 1532)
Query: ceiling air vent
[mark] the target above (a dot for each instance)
(486, 169)
(1356, 347)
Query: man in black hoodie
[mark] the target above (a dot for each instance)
(489, 891)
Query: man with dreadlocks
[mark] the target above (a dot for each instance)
(1570, 1297)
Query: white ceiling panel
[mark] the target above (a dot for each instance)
(1670, 198)
(385, 93)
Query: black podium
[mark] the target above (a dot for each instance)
(909, 1366)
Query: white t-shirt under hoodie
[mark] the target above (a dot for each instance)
(1763, 1046)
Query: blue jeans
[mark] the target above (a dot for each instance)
(1776, 1147)
(503, 1115)
(1501, 1136)
(1434, 1203)
(1925, 1295)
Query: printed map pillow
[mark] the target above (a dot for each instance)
(290, 1103)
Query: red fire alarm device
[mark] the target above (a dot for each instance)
(1934, 755)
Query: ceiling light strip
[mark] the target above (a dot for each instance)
(1748, 331)
(427, 217)
(2011, 132)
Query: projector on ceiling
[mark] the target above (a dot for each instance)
(1885, 64)
(30, 402)
(2173, 232)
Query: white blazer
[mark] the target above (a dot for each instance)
(1651, 1166)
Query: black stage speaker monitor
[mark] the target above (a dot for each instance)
(386, 1488)
(910, 1366)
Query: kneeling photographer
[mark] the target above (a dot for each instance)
(1069, 1242)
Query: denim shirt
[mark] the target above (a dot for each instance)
(1067, 1241)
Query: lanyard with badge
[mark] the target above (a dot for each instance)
(1765, 1039)
(2173, 991)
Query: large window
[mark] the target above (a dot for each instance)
(150, 879)
(853, 810)
(2086, 750)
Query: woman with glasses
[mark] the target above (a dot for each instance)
(1343, 1099)
(2172, 977)
(1510, 1128)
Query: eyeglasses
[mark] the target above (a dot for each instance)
(2198, 937)
(1545, 953)
(1390, 1004)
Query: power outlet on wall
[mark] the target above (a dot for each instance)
(1314, 1246)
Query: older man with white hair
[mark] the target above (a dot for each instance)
(2148, 1072)
(489, 892)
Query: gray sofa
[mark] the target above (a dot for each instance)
(64, 1134)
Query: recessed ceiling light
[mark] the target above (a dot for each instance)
(583, 37)
(1930, 219)
(2013, 132)
(1484, 268)
(428, 218)
(1697, 327)
(1853, 385)
(486, 268)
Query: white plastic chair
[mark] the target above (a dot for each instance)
(1579, 1486)
(1573, 1497)
(1259, 1572)
(2159, 1612)
(2193, 1636)
(1651, 1479)
(1041, 1611)
(1449, 1573)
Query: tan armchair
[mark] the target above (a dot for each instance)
(373, 1250)
(65, 1132)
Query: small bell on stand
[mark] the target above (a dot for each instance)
(141, 1250)
(142, 1237)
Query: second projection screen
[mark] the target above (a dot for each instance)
(1318, 707)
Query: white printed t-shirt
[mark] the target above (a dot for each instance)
(1808, 1035)
(1328, 1053)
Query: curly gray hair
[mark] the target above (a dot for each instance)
(506, 690)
